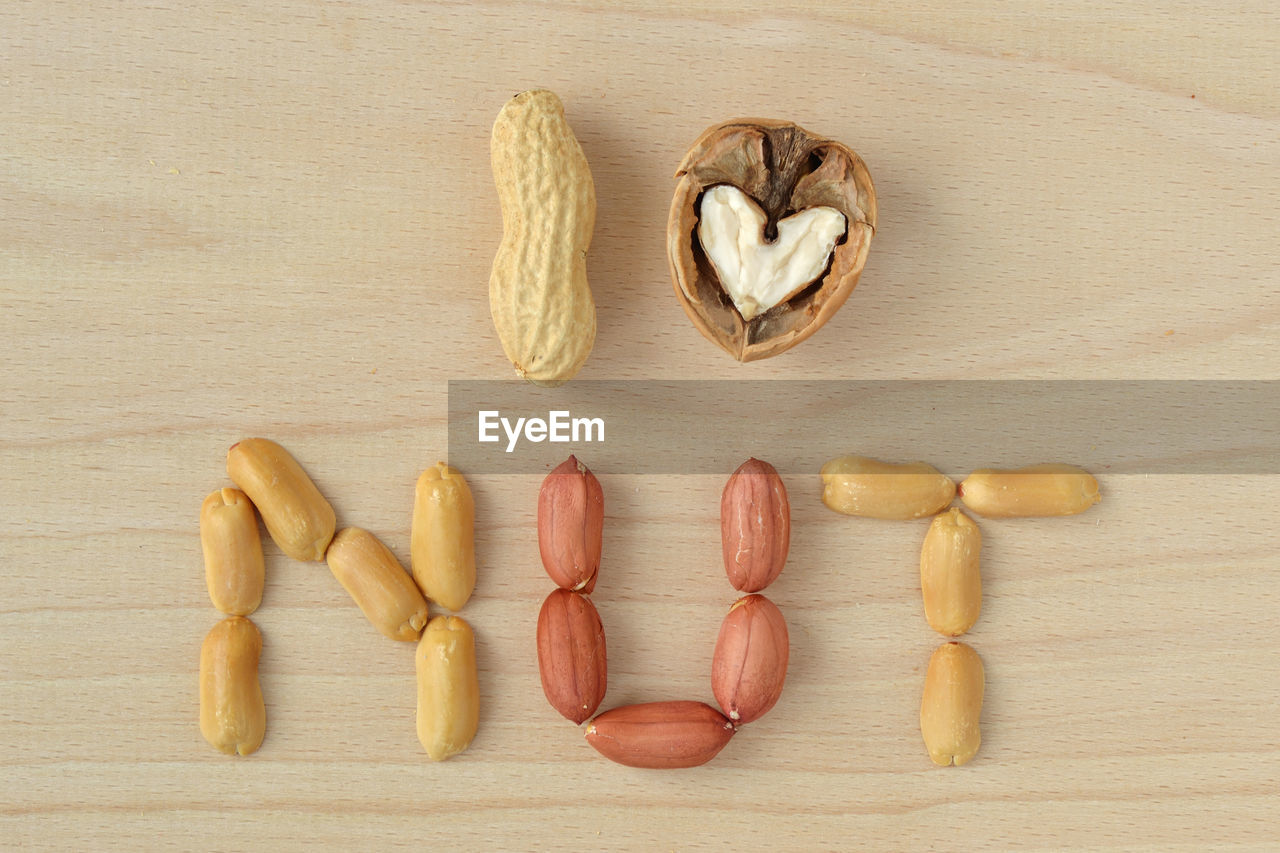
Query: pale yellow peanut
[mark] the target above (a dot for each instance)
(952, 704)
(858, 485)
(950, 574)
(297, 516)
(1036, 490)
(538, 291)
(442, 548)
(377, 582)
(448, 687)
(233, 717)
(233, 566)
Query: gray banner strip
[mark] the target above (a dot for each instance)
(710, 427)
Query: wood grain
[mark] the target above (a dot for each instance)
(228, 220)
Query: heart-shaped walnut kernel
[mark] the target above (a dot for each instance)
(768, 233)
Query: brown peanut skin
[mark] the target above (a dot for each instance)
(952, 704)
(750, 661)
(660, 735)
(297, 516)
(571, 525)
(376, 581)
(572, 658)
(755, 526)
(233, 717)
(234, 571)
(1036, 491)
(950, 573)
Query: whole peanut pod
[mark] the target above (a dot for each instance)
(750, 661)
(952, 704)
(442, 547)
(538, 291)
(448, 687)
(1036, 490)
(660, 735)
(297, 516)
(950, 575)
(755, 526)
(377, 582)
(572, 660)
(857, 485)
(233, 717)
(233, 566)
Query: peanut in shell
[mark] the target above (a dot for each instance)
(538, 292)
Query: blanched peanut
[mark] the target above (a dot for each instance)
(233, 567)
(952, 704)
(297, 516)
(950, 574)
(448, 687)
(1036, 490)
(378, 583)
(858, 485)
(442, 547)
(233, 717)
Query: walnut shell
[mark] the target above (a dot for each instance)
(784, 169)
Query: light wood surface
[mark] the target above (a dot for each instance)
(231, 219)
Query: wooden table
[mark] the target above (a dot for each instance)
(224, 220)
